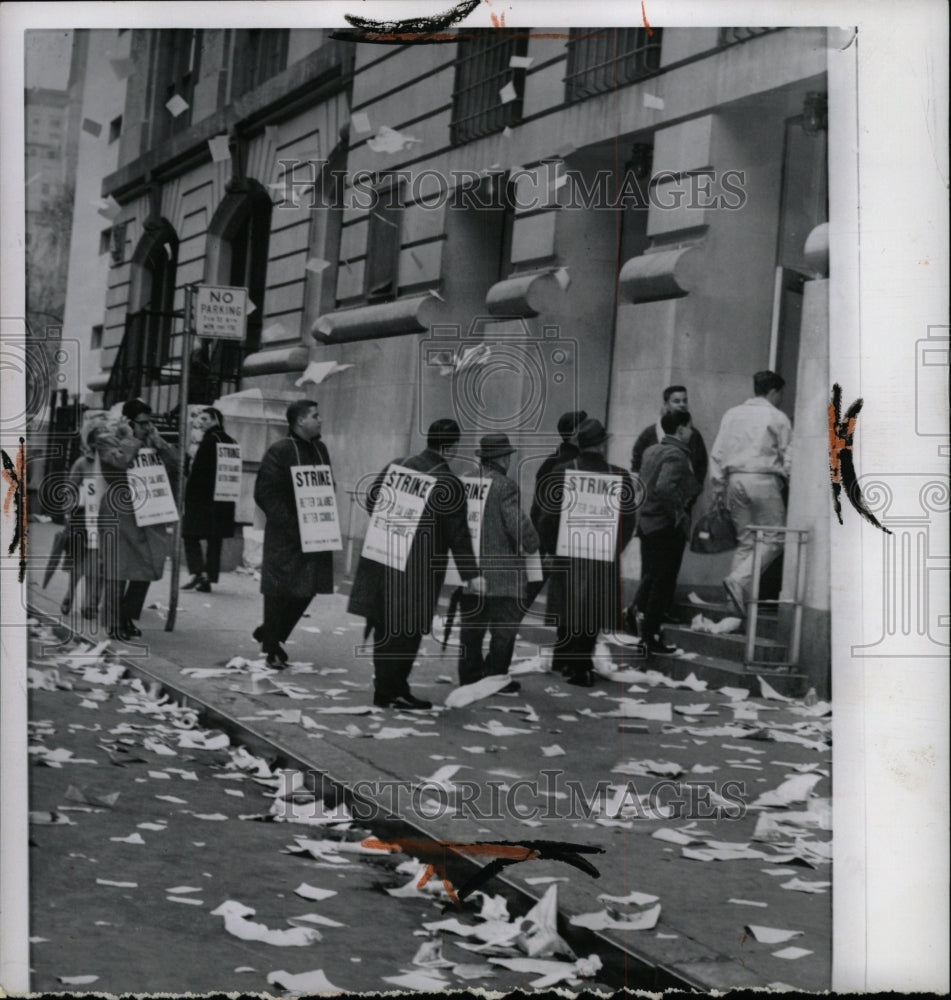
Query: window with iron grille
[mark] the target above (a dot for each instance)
(259, 54)
(602, 59)
(381, 270)
(728, 36)
(175, 68)
(482, 71)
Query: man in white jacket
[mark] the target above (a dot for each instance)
(749, 469)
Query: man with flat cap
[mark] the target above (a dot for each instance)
(505, 535)
(417, 510)
(595, 520)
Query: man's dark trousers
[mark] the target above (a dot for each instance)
(661, 554)
(281, 614)
(393, 656)
(573, 655)
(501, 616)
(208, 563)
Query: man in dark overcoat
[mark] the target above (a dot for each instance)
(289, 576)
(506, 535)
(585, 594)
(568, 424)
(206, 519)
(398, 605)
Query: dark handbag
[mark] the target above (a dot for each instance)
(714, 531)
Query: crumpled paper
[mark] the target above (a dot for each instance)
(236, 922)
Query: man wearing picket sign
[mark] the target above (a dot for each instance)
(505, 535)
(294, 488)
(588, 528)
(417, 510)
(136, 513)
(211, 490)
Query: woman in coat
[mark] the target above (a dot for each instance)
(84, 563)
(204, 518)
(132, 556)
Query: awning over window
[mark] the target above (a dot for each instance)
(669, 274)
(386, 319)
(522, 294)
(287, 359)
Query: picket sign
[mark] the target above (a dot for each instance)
(316, 504)
(476, 489)
(227, 473)
(152, 497)
(90, 500)
(396, 517)
(588, 524)
(533, 568)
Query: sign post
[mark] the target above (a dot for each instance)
(182, 452)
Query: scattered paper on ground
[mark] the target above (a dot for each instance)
(794, 789)
(771, 935)
(302, 982)
(236, 922)
(313, 892)
(603, 920)
(466, 694)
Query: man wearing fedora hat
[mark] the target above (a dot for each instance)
(506, 535)
(585, 594)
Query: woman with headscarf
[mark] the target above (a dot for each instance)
(133, 555)
(205, 518)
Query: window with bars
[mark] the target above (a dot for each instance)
(728, 36)
(602, 59)
(482, 73)
(174, 74)
(259, 54)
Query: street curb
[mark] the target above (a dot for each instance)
(621, 962)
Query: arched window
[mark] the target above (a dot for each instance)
(149, 333)
(237, 255)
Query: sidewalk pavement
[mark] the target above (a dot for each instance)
(711, 877)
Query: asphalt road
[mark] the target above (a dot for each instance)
(706, 904)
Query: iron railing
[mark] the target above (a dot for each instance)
(148, 364)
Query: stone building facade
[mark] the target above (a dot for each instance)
(597, 212)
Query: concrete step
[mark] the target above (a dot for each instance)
(730, 646)
(767, 623)
(716, 671)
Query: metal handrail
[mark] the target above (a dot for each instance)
(754, 603)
